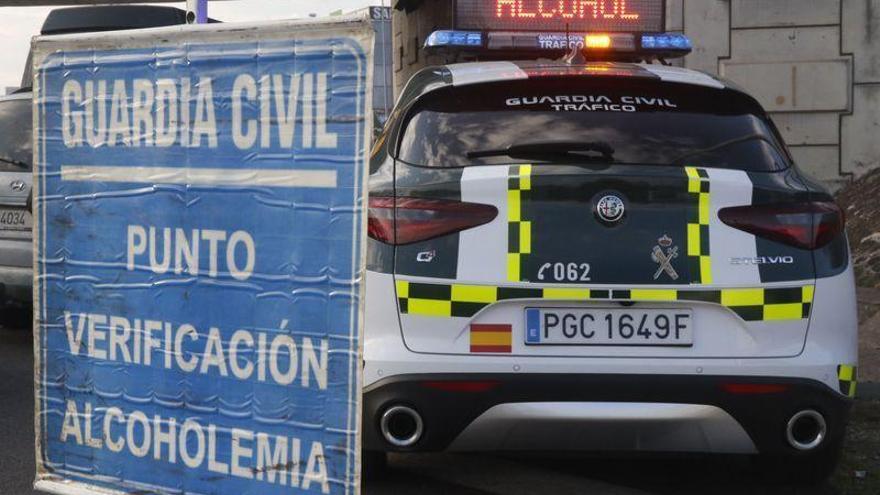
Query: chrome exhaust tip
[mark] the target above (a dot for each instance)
(806, 430)
(401, 426)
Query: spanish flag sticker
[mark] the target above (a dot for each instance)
(491, 338)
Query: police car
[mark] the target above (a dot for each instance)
(601, 255)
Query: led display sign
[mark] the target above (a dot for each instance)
(561, 15)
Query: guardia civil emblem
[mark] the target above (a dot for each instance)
(663, 254)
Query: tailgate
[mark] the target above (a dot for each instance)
(553, 246)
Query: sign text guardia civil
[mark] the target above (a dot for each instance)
(182, 112)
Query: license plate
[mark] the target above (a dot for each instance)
(609, 326)
(15, 219)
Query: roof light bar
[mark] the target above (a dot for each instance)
(610, 46)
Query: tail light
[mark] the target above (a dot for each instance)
(422, 219)
(754, 388)
(462, 386)
(807, 225)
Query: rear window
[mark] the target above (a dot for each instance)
(594, 120)
(15, 135)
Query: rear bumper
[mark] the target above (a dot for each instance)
(16, 273)
(601, 412)
(16, 283)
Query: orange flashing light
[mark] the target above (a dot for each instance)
(597, 41)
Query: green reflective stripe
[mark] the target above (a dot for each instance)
(465, 300)
(698, 249)
(519, 226)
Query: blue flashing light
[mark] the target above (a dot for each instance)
(454, 38)
(666, 41)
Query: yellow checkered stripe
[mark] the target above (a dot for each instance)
(847, 376)
(698, 253)
(460, 300)
(519, 227)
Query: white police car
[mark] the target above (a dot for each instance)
(601, 255)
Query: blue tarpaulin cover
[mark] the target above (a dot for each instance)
(199, 257)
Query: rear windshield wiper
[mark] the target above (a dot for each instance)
(17, 163)
(548, 148)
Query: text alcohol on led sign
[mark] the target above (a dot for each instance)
(564, 9)
(561, 15)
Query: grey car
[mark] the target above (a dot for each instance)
(16, 176)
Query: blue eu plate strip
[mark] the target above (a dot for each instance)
(533, 326)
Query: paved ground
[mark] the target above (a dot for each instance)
(16, 412)
(441, 474)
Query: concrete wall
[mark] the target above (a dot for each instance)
(813, 64)
(410, 28)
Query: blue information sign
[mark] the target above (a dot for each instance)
(200, 239)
